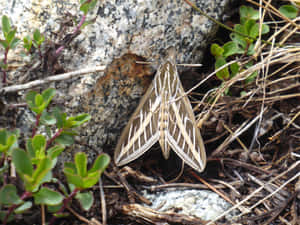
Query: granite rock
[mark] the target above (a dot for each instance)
(121, 28)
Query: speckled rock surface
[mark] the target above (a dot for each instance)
(139, 27)
(142, 27)
(202, 204)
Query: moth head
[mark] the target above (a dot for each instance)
(171, 53)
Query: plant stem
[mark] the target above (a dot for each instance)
(25, 195)
(37, 122)
(54, 137)
(65, 203)
(5, 63)
(58, 51)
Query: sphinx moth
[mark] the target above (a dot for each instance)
(164, 114)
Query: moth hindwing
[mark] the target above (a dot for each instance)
(164, 114)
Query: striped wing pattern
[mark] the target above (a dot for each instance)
(165, 115)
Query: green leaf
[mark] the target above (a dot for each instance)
(93, 4)
(24, 207)
(27, 43)
(91, 179)
(39, 144)
(48, 177)
(48, 95)
(22, 162)
(54, 208)
(47, 118)
(10, 35)
(37, 37)
(5, 44)
(216, 50)
(71, 187)
(251, 77)
(86, 6)
(230, 48)
(100, 163)
(265, 29)
(43, 167)
(234, 68)
(11, 140)
(3, 137)
(73, 179)
(95, 172)
(243, 93)
(250, 49)
(55, 151)
(78, 120)
(65, 139)
(70, 166)
(59, 116)
(38, 100)
(71, 174)
(224, 73)
(240, 29)
(290, 11)
(8, 141)
(254, 30)
(249, 25)
(47, 196)
(41, 40)
(81, 164)
(247, 13)
(30, 98)
(5, 25)
(240, 42)
(9, 195)
(14, 43)
(86, 200)
(30, 148)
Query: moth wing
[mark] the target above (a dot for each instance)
(183, 134)
(141, 132)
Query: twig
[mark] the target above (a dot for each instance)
(103, 203)
(245, 126)
(64, 76)
(132, 194)
(43, 214)
(153, 216)
(254, 193)
(128, 171)
(273, 193)
(246, 165)
(81, 218)
(186, 185)
(219, 192)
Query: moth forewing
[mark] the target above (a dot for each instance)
(164, 114)
(138, 132)
(189, 145)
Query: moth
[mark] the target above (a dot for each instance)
(164, 114)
